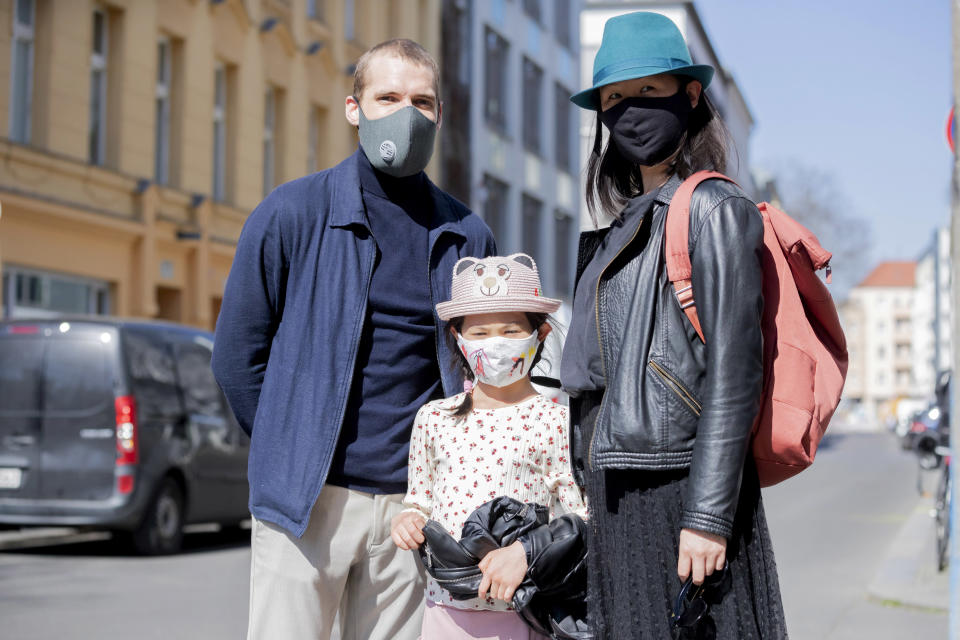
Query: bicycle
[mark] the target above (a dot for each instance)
(941, 510)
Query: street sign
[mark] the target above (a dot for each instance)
(951, 125)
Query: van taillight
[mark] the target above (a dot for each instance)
(23, 329)
(126, 431)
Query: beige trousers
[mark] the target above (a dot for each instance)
(345, 563)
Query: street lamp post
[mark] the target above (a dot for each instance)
(954, 633)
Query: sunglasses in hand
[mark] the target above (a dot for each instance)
(691, 604)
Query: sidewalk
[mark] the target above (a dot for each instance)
(907, 575)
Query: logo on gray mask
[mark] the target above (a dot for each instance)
(388, 151)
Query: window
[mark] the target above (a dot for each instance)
(315, 9)
(151, 368)
(201, 395)
(161, 153)
(348, 26)
(78, 377)
(220, 133)
(532, 91)
(317, 128)
(29, 291)
(272, 138)
(495, 207)
(561, 15)
(21, 76)
(562, 262)
(530, 243)
(97, 133)
(39, 293)
(495, 80)
(532, 9)
(21, 364)
(269, 151)
(564, 134)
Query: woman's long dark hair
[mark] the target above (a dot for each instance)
(612, 180)
(536, 321)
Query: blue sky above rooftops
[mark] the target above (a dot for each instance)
(859, 89)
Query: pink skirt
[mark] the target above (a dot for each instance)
(450, 623)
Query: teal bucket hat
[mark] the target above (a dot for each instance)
(637, 45)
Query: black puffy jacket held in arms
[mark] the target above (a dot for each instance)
(552, 597)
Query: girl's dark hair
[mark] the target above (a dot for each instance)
(536, 321)
(612, 180)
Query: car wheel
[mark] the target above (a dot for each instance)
(161, 530)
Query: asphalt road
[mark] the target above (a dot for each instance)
(831, 527)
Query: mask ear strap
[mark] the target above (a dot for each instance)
(598, 139)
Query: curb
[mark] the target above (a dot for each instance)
(907, 575)
(46, 536)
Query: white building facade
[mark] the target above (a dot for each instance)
(524, 143)
(723, 90)
(933, 314)
(878, 320)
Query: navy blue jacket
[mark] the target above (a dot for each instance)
(291, 320)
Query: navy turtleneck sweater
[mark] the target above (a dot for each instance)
(396, 371)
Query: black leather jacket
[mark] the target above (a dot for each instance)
(552, 597)
(671, 401)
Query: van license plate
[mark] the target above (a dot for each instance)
(10, 478)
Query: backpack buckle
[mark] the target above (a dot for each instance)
(685, 296)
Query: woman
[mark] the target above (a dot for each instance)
(661, 420)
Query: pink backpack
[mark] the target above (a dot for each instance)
(804, 349)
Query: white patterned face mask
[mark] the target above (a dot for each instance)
(500, 361)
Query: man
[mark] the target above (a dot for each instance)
(327, 345)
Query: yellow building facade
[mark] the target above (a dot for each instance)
(137, 135)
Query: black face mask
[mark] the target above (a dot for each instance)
(647, 131)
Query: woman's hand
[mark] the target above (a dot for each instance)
(406, 530)
(503, 571)
(701, 554)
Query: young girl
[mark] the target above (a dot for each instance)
(501, 438)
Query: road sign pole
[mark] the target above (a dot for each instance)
(954, 631)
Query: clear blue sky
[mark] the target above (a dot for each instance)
(858, 88)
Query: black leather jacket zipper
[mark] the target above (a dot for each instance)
(603, 362)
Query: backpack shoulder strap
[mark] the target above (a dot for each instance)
(677, 241)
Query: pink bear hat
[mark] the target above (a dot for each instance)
(494, 284)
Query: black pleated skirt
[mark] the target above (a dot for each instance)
(634, 521)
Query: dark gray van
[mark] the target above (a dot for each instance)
(116, 424)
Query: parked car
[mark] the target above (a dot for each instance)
(116, 424)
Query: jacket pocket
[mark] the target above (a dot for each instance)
(674, 385)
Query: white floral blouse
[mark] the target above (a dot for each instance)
(457, 464)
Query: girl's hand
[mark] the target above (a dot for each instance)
(701, 554)
(406, 530)
(503, 571)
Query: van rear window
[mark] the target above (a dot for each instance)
(73, 375)
(78, 376)
(21, 359)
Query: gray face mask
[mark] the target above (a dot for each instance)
(399, 144)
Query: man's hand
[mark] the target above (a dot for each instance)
(503, 571)
(701, 554)
(406, 530)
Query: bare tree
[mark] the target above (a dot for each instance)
(811, 196)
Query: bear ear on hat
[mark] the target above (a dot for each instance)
(523, 259)
(462, 265)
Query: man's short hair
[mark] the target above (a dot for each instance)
(402, 48)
